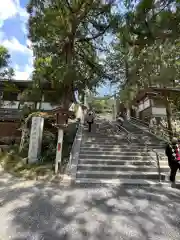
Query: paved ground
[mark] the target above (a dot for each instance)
(36, 211)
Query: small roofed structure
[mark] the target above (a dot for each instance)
(62, 116)
(153, 101)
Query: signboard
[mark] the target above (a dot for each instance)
(76, 95)
(140, 107)
(159, 111)
(35, 139)
(147, 103)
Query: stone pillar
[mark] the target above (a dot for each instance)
(128, 113)
(35, 139)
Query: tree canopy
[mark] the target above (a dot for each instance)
(68, 39)
(5, 71)
(146, 48)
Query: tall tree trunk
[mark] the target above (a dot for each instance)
(127, 80)
(149, 80)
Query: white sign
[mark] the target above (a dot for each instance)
(159, 111)
(76, 95)
(146, 103)
(35, 139)
(140, 107)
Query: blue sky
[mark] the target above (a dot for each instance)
(13, 35)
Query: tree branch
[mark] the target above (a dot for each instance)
(86, 39)
(69, 6)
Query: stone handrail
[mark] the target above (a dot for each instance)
(128, 134)
(162, 134)
(74, 154)
(148, 148)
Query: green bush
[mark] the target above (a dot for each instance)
(49, 143)
(48, 149)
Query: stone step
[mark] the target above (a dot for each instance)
(154, 142)
(115, 157)
(119, 154)
(111, 146)
(104, 137)
(114, 153)
(111, 143)
(163, 162)
(147, 134)
(106, 144)
(122, 182)
(114, 150)
(116, 162)
(124, 137)
(119, 174)
(102, 167)
(106, 140)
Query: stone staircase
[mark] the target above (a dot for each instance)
(144, 137)
(107, 157)
(153, 142)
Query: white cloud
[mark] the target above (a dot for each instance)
(10, 9)
(23, 17)
(13, 45)
(2, 35)
(23, 75)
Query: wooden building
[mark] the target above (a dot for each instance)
(11, 107)
(152, 102)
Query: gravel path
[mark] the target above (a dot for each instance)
(35, 211)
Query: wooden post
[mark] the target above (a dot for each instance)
(61, 123)
(59, 149)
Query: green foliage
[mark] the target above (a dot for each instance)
(98, 105)
(67, 37)
(49, 142)
(48, 150)
(5, 70)
(101, 104)
(146, 48)
(4, 57)
(15, 164)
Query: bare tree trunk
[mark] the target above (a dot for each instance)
(23, 135)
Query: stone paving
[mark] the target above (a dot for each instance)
(37, 211)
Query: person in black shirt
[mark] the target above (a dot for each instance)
(173, 154)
